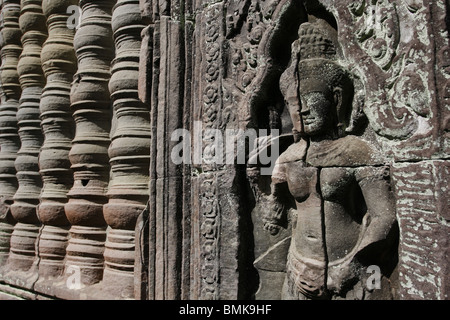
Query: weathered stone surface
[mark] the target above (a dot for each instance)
(59, 64)
(129, 151)
(26, 199)
(422, 209)
(382, 51)
(9, 138)
(343, 205)
(402, 101)
(90, 103)
(166, 197)
(224, 149)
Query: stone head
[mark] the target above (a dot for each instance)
(324, 92)
(317, 89)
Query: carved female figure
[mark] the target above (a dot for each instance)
(344, 209)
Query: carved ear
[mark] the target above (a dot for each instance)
(357, 117)
(340, 112)
(289, 86)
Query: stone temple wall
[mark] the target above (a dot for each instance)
(224, 149)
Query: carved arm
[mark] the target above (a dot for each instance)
(375, 185)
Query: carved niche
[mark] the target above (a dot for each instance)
(389, 113)
(329, 209)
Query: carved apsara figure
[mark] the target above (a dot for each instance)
(344, 210)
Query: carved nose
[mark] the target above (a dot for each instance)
(304, 110)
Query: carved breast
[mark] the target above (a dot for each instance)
(335, 183)
(302, 181)
(344, 208)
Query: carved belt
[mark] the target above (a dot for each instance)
(306, 276)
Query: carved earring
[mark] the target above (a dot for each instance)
(337, 94)
(357, 113)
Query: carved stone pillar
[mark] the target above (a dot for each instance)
(216, 192)
(90, 102)
(195, 225)
(24, 210)
(59, 64)
(163, 71)
(9, 138)
(11, 49)
(129, 151)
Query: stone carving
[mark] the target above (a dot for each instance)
(32, 80)
(129, 151)
(344, 209)
(216, 205)
(350, 97)
(378, 31)
(420, 213)
(90, 102)
(12, 47)
(406, 106)
(393, 44)
(257, 35)
(59, 64)
(9, 139)
(210, 214)
(166, 269)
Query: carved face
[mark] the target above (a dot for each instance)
(316, 112)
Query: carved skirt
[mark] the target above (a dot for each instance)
(305, 276)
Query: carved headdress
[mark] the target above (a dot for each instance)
(317, 54)
(316, 40)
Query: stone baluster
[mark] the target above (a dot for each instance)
(11, 49)
(24, 209)
(9, 137)
(91, 105)
(129, 151)
(59, 65)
